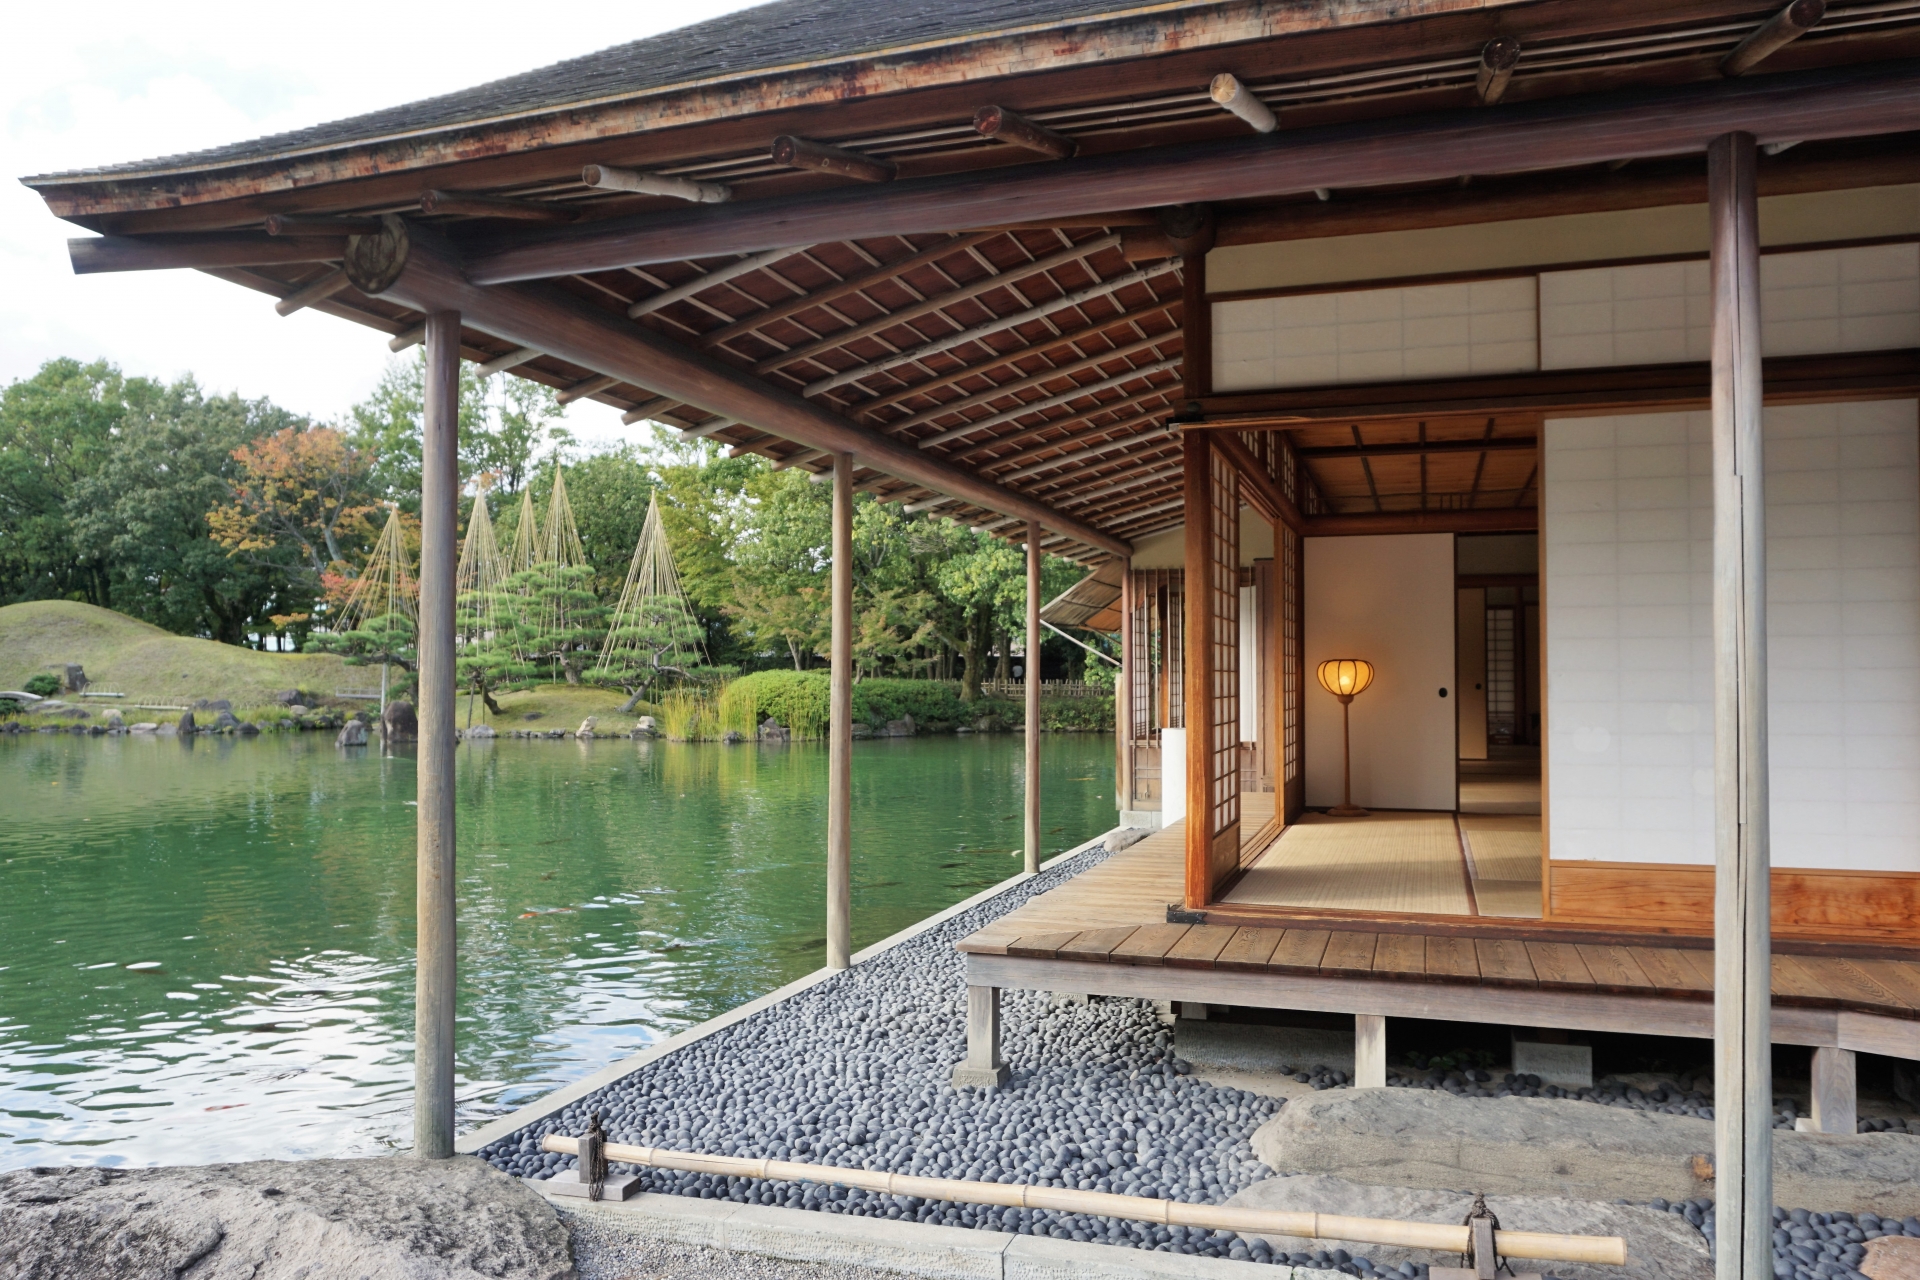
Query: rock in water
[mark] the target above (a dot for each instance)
(901, 728)
(115, 720)
(352, 734)
(186, 724)
(646, 727)
(772, 731)
(482, 731)
(1515, 1146)
(1660, 1246)
(586, 727)
(456, 1219)
(398, 723)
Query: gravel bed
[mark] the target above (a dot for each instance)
(856, 1072)
(1808, 1245)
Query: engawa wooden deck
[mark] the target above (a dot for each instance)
(1106, 932)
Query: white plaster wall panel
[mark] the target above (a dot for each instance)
(1376, 335)
(1628, 531)
(1819, 302)
(1390, 600)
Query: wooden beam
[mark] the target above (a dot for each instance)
(1228, 93)
(293, 224)
(1496, 520)
(1418, 447)
(1265, 490)
(1052, 373)
(199, 250)
(1789, 380)
(1497, 59)
(718, 275)
(1777, 32)
(603, 177)
(472, 205)
(428, 277)
(307, 294)
(1197, 499)
(937, 302)
(999, 324)
(1114, 382)
(1011, 127)
(1432, 146)
(841, 288)
(805, 153)
(1551, 195)
(840, 721)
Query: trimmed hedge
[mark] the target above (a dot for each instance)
(799, 700)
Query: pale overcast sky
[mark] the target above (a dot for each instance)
(120, 81)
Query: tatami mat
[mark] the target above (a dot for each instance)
(1382, 862)
(1499, 794)
(1517, 898)
(1504, 852)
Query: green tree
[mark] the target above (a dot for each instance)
(383, 640)
(56, 429)
(503, 423)
(609, 494)
(144, 515)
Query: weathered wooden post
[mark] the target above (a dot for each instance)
(1742, 928)
(435, 963)
(1032, 691)
(840, 725)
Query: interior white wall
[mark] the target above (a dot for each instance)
(1627, 520)
(1390, 600)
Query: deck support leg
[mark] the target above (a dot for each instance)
(435, 963)
(1836, 1099)
(1369, 1051)
(1742, 925)
(1033, 699)
(840, 725)
(983, 1068)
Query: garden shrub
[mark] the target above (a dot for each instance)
(796, 699)
(43, 685)
(932, 703)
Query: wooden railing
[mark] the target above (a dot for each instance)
(1048, 689)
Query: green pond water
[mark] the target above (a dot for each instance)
(206, 946)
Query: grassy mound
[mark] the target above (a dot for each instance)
(128, 656)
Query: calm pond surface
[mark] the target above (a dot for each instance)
(206, 945)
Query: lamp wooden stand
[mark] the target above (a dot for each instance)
(1346, 679)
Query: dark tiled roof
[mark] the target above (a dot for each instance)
(765, 37)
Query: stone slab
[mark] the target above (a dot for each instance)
(1236, 1046)
(912, 1248)
(567, 1183)
(1568, 1065)
(1425, 1139)
(392, 1218)
(1660, 1246)
(1892, 1258)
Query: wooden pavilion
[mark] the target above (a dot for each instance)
(1301, 323)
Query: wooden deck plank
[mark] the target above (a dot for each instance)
(1902, 977)
(1041, 946)
(1300, 951)
(1793, 982)
(1670, 972)
(1149, 944)
(1404, 955)
(1249, 948)
(1614, 969)
(1452, 958)
(1201, 946)
(1096, 944)
(1701, 962)
(1847, 980)
(1350, 954)
(1504, 962)
(1558, 964)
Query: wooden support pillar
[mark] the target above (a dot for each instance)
(1033, 699)
(1742, 1031)
(1197, 458)
(1123, 699)
(435, 966)
(840, 725)
(983, 1067)
(1836, 1096)
(1369, 1051)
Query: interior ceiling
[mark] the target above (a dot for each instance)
(1048, 358)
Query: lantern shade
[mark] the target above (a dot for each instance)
(1345, 677)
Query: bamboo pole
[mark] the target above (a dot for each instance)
(1603, 1250)
(1742, 926)
(840, 725)
(435, 967)
(1033, 699)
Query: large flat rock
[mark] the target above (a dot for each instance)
(1660, 1246)
(386, 1219)
(1546, 1146)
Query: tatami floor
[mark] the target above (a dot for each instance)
(1483, 861)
